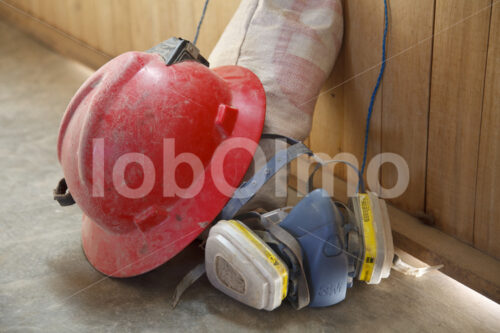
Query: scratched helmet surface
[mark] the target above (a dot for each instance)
(123, 140)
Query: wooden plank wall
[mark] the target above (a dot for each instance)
(458, 76)
(405, 96)
(438, 107)
(443, 66)
(111, 27)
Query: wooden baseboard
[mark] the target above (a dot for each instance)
(462, 262)
(52, 37)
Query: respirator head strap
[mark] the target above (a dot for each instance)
(248, 189)
(273, 136)
(319, 163)
(283, 236)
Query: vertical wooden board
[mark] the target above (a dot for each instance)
(362, 61)
(34, 7)
(142, 24)
(406, 96)
(219, 13)
(31, 6)
(38, 10)
(75, 14)
(97, 21)
(120, 26)
(104, 37)
(28, 6)
(166, 28)
(327, 125)
(58, 10)
(327, 128)
(487, 224)
(49, 12)
(184, 17)
(23, 5)
(459, 59)
(90, 27)
(157, 17)
(188, 14)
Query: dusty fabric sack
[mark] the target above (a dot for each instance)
(291, 45)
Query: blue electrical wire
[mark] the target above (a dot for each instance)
(377, 86)
(200, 22)
(322, 163)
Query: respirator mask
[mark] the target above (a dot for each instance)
(309, 254)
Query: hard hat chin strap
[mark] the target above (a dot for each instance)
(62, 195)
(248, 189)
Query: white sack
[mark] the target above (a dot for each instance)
(291, 45)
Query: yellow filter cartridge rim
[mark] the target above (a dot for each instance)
(370, 253)
(263, 248)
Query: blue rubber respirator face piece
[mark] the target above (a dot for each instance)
(316, 224)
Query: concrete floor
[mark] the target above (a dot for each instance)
(46, 283)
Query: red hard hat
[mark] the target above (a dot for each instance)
(130, 106)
